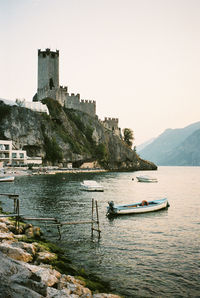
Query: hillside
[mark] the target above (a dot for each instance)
(67, 136)
(175, 147)
(187, 153)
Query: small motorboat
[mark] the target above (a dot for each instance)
(146, 178)
(142, 207)
(91, 185)
(7, 178)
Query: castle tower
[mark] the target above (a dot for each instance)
(48, 74)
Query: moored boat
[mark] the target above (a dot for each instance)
(146, 178)
(7, 178)
(135, 208)
(91, 185)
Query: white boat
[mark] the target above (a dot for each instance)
(91, 185)
(146, 178)
(135, 208)
(7, 178)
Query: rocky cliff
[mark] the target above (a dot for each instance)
(67, 136)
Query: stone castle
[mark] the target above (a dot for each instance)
(49, 86)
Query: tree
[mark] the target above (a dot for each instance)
(128, 136)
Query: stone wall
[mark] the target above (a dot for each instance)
(48, 71)
(73, 101)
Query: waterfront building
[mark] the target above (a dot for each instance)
(10, 156)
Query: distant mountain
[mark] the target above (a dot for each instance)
(143, 145)
(175, 147)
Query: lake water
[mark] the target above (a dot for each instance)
(146, 255)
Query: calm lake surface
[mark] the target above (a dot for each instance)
(146, 255)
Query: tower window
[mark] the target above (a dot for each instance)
(51, 84)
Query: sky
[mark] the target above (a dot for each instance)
(138, 59)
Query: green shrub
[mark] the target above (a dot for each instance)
(53, 151)
(4, 110)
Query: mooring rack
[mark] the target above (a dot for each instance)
(55, 221)
(15, 210)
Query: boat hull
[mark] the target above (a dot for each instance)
(138, 208)
(91, 186)
(7, 179)
(91, 189)
(148, 180)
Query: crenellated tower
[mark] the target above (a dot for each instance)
(48, 85)
(48, 74)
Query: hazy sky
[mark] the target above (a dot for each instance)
(139, 59)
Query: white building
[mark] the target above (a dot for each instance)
(34, 106)
(9, 156)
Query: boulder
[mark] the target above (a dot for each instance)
(6, 236)
(15, 253)
(75, 286)
(33, 232)
(5, 220)
(3, 227)
(54, 293)
(104, 295)
(45, 257)
(18, 281)
(28, 247)
(49, 276)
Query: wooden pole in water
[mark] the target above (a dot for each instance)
(18, 213)
(92, 227)
(14, 211)
(98, 219)
(16, 206)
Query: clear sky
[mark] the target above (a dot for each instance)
(139, 59)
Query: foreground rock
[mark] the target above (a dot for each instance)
(20, 276)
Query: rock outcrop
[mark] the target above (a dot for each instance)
(67, 136)
(23, 273)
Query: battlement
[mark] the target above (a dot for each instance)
(48, 52)
(65, 88)
(48, 85)
(108, 119)
(88, 101)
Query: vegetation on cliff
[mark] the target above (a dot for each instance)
(66, 135)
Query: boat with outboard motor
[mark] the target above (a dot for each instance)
(135, 208)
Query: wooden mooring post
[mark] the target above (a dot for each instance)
(55, 221)
(15, 209)
(92, 221)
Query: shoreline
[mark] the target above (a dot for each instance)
(26, 251)
(25, 171)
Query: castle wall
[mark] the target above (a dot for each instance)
(88, 107)
(73, 101)
(112, 124)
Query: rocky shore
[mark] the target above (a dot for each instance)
(26, 268)
(25, 171)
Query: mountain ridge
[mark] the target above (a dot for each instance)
(165, 149)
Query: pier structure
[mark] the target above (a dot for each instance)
(94, 222)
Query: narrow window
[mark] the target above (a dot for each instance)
(51, 84)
